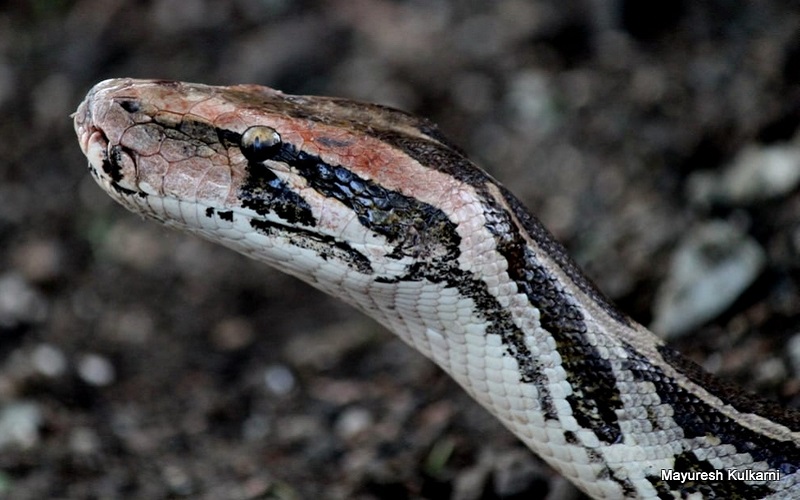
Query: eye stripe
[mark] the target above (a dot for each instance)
(327, 247)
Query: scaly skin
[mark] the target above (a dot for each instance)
(375, 207)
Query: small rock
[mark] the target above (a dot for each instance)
(96, 370)
(793, 347)
(756, 174)
(84, 441)
(232, 333)
(710, 268)
(133, 326)
(179, 482)
(255, 428)
(19, 425)
(279, 380)
(471, 482)
(48, 360)
(532, 100)
(352, 422)
(296, 428)
(39, 260)
(771, 371)
(20, 303)
(139, 246)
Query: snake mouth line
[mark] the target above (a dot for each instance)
(84, 126)
(93, 142)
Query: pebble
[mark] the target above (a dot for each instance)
(96, 370)
(470, 483)
(19, 424)
(279, 380)
(296, 428)
(771, 371)
(533, 102)
(48, 360)
(178, 481)
(352, 422)
(793, 349)
(232, 333)
(84, 441)
(756, 174)
(710, 268)
(39, 260)
(20, 303)
(255, 428)
(135, 244)
(133, 326)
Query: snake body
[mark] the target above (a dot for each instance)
(376, 207)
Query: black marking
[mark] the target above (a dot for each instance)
(112, 167)
(441, 155)
(127, 192)
(194, 136)
(228, 139)
(730, 394)
(595, 399)
(558, 253)
(130, 106)
(629, 491)
(425, 233)
(417, 229)
(112, 163)
(197, 131)
(263, 192)
(727, 489)
(226, 215)
(327, 247)
(698, 419)
(111, 170)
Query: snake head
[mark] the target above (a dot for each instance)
(307, 183)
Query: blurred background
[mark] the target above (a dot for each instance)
(657, 140)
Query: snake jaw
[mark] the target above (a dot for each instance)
(92, 141)
(82, 129)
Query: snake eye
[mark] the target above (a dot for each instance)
(260, 143)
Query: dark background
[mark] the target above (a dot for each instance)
(139, 363)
